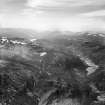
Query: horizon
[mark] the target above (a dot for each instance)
(63, 32)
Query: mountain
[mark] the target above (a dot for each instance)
(47, 70)
(18, 32)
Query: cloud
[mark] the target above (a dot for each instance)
(8, 6)
(67, 6)
(72, 15)
(52, 6)
(48, 3)
(94, 14)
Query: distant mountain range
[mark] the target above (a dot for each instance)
(16, 32)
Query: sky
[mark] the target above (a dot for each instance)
(64, 15)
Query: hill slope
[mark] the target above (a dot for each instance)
(45, 71)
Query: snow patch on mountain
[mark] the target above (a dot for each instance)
(32, 40)
(18, 42)
(43, 54)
